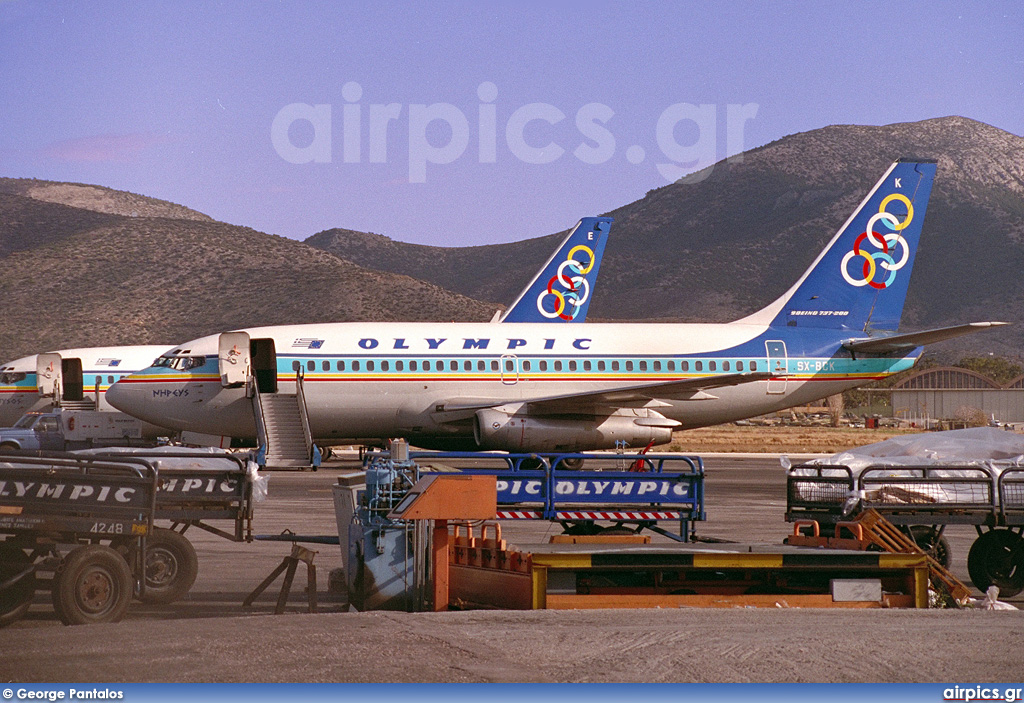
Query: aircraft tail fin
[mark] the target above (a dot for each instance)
(561, 291)
(859, 282)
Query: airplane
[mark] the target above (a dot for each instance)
(73, 376)
(551, 388)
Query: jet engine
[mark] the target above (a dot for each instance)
(495, 428)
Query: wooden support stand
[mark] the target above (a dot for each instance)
(887, 536)
(288, 566)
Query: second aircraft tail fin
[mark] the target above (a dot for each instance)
(561, 291)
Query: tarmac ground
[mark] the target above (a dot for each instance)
(209, 636)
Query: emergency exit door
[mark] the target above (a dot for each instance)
(777, 365)
(509, 369)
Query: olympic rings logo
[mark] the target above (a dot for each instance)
(574, 291)
(877, 263)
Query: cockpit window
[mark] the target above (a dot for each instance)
(9, 377)
(180, 363)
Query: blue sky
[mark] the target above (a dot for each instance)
(509, 120)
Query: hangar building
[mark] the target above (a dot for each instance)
(950, 393)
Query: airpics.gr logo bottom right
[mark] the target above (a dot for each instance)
(982, 693)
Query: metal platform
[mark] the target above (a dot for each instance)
(486, 572)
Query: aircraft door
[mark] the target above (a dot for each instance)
(73, 385)
(233, 358)
(777, 364)
(264, 364)
(48, 372)
(509, 365)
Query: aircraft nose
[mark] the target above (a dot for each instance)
(123, 397)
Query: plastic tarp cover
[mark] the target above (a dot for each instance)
(990, 450)
(214, 459)
(986, 447)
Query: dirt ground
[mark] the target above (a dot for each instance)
(542, 646)
(786, 440)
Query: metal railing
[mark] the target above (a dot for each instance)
(262, 441)
(934, 494)
(300, 395)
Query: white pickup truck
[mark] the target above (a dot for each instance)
(60, 430)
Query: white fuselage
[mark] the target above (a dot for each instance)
(378, 380)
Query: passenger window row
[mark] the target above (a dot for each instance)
(525, 365)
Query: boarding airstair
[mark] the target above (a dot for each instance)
(86, 404)
(282, 428)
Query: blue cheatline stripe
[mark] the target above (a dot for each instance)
(614, 367)
(541, 367)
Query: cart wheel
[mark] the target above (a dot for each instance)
(997, 558)
(583, 527)
(171, 566)
(937, 549)
(531, 464)
(93, 585)
(572, 464)
(617, 530)
(16, 598)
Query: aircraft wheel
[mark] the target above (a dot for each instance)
(997, 558)
(573, 464)
(171, 566)
(93, 585)
(925, 538)
(16, 598)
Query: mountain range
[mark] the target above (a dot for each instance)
(116, 268)
(87, 265)
(740, 234)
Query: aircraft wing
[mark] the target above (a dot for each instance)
(645, 394)
(902, 342)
